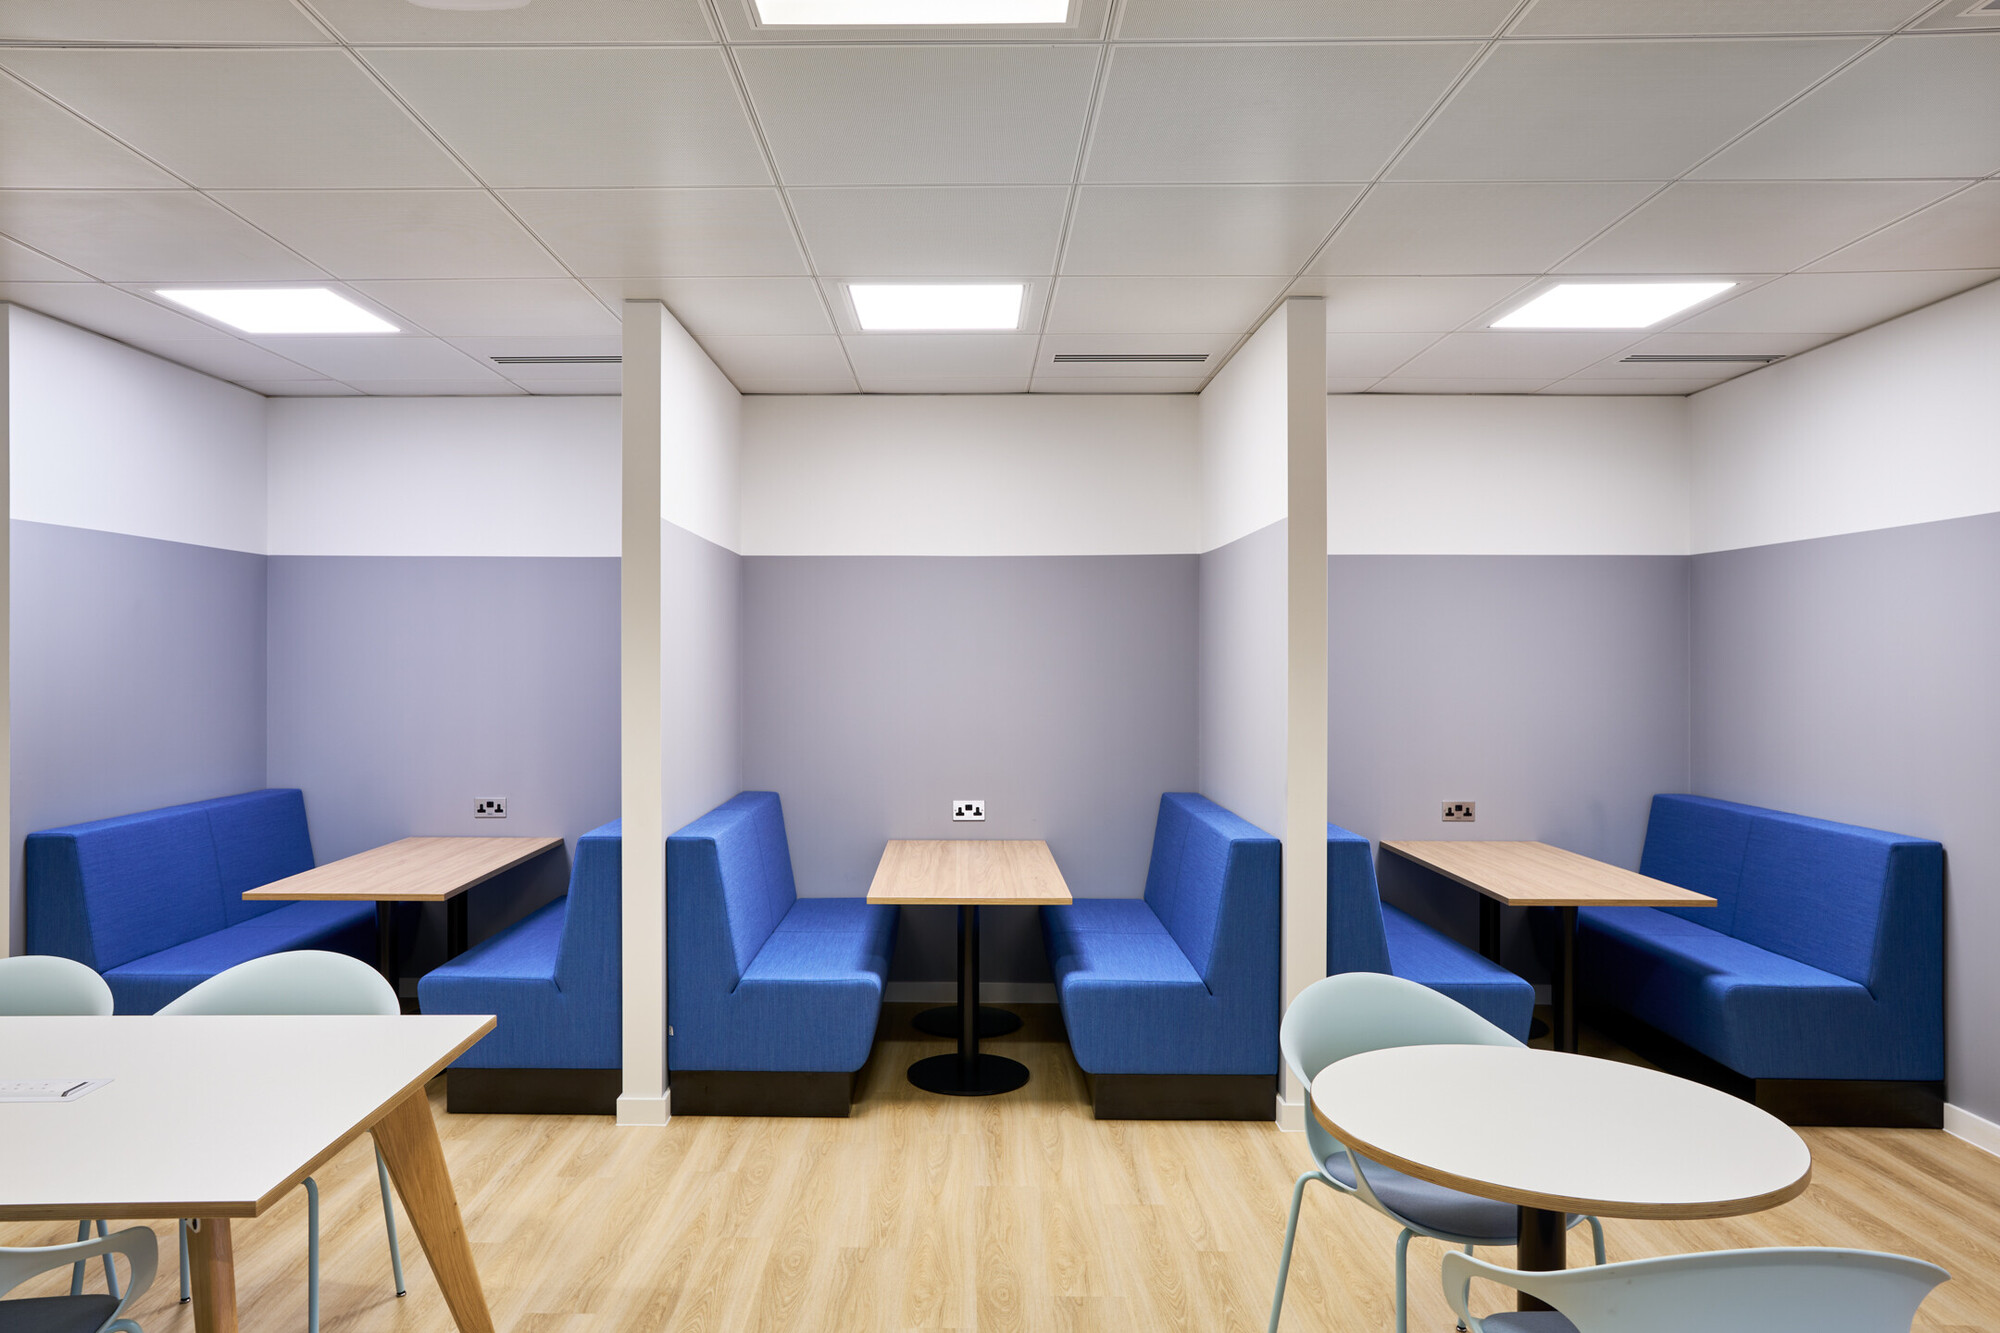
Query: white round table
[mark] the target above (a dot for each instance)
(1557, 1133)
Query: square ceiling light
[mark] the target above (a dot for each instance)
(932, 307)
(279, 309)
(1609, 305)
(909, 13)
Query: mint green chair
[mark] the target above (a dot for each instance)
(305, 981)
(1370, 1011)
(77, 1312)
(1727, 1291)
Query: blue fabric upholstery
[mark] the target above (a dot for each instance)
(1184, 980)
(1824, 958)
(154, 900)
(1364, 934)
(553, 979)
(757, 977)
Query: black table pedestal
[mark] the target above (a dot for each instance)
(968, 1073)
(386, 945)
(943, 1021)
(1541, 1247)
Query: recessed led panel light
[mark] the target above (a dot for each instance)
(279, 309)
(908, 13)
(891, 306)
(1608, 305)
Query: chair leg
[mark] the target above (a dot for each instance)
(1403, 1281)
(186, 1294)
(1285, 1259)
(1460, 1325)
(1596, 1237)
(110, 1269)
(76, 1272)
(312, 1255)
(389, 1217)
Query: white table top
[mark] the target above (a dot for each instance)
(204, 1116)
(1562, 1132)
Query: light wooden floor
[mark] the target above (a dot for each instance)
(1019, 1212)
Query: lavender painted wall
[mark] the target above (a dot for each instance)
(402, 689)
(138, 677)
(1851, 678)
(1060, 689)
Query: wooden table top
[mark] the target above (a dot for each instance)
(412, 870)
(1534, 874)
(969, 872)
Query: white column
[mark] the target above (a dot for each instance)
(13, 932)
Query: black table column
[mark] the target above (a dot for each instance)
(1562, 989)
(1541, 1247)
(386, 950)
(968, 1073)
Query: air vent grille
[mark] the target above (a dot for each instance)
(1701, 358)
(557, 360)
(1129, 358)
(1982, 9)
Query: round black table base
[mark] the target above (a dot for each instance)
(943, 1021)
(947, 1075)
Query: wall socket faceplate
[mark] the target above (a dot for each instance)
(968, 809)
(1459, 812)
(490, 807)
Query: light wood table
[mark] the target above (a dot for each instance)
(1556, 1133)
(216, 1118)
(968, 873)
(1534, 874)
(410, 870)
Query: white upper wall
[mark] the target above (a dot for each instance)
(701, 436)
(110, 438)
(444, 476)
(1519, 475)
(1896, 425)
(1015, 474)
(1243, 439)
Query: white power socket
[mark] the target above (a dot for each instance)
(1459, 812)
(490, 807)
(968, 809)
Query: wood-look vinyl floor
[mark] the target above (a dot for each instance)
(1017, 1212)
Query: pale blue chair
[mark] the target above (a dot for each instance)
(306, 981)
(1371, 1011)
(76, 1312)
(1727, 1291)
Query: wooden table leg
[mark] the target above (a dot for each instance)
(212, 1261)
(408, 1139)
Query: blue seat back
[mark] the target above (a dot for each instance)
(1213, 881)
(729, 883)
(1698, 844)
(1355, 938)
(112, 890)
(590, 957)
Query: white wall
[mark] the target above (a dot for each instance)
(1898, 424)
(1016, 474)
(701, 435)
(443, 476)
(1243, 439)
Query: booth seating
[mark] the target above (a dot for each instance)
(772, 999)
(553, 979)
(154, 901)
(1171, 1000)
(1365, 934)
(1816, 982)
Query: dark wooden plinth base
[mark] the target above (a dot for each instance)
(760, 1092)
(532, 1091)
(1183, 1096)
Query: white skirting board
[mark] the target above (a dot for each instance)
(1976, 1130)
(645, 1110)
(990, 992)
(1291, 1115)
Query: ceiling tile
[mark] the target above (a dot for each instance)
(162, 236)
(1831, 302)
(246, 119)
(496, 307)
(314, 388)
(566, 389)
(1513, 354)
(483, 350)
(1372, 355)
(1914, 106)
(583, 116)
(43, 146)
(782, 365)
(615, 21)
(20, 264)
(1763, 226)
(664, 233)
(1474, 226)
(108, 310)
(1160, 305)
(931, 231)
(1408, 384)
(1087, 24)
(1614, 369)
(380, 357)
(1951, 15)
(169, 22)
(225, 358)
(941, 355)
(1210, 230)
(1696, 18)
(1264, 113)
(1960, 232)
(771, 306)
(1125, 384)
(1215, 346)
(1291, 21)
(1598, 388)
(493, 388)
(931, 115)
(1408, 305)
(1344, 384)
(957, 384)
(1769, 344)
(1631, 110)
(396, 233)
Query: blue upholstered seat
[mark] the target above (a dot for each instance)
(553, 979)
(1823, 957)
(1184, 980)
(758, 978)
(1364, 934)
(154, 900)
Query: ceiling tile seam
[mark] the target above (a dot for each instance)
(1788, 104)
(1113, 16)
(713, 17)
(1893, 222)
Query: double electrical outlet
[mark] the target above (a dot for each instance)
(490, 807)
(1458, 812)
(972, 808)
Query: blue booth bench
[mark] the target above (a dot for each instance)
(154, 901)
(554, 980)
(1365, 934)
(1171, 1000)
(1815, 985)
(772, 999)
